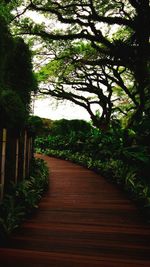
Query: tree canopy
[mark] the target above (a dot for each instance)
(95, 47)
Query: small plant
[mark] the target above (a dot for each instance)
(11, 216)
(24, 198)
(27, 195)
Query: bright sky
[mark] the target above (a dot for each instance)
(45, 108)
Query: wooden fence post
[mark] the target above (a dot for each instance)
(3, 160)
(24, 154)
(17, 160)
(29, 154)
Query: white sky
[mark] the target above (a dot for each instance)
(45, 108)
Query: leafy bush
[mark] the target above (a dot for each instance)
(23, 199)
(13, 113)
(11, 215)
(17, 80)
(138, 157)
(65, 135)
(65, 127)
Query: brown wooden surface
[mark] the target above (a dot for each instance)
(82, 221)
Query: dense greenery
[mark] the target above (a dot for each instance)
(22, 199)
(17, 82)
(16, 78)
(98, 55)
(108, 153)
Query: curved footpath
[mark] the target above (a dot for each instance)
(82, 221)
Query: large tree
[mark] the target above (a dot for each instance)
(16, 77)
(97, 88)
(94, 23)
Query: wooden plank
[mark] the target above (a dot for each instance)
(82, 221)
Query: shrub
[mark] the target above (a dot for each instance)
(23, 199)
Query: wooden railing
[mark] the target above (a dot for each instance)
(16, 151)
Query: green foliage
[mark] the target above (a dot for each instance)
(47, 126)
(30, 191)
(39, 126)
(13, 113)
(35, 124)
(142, 130)
(40, 172)
(52, 69)
(27, 195)
(11, 214)
(16, 79)
(65, 134)
(23, 198)
(18, 71)
(5, 48)
(136, 154)
(64, 127)
(64, 66)
(5, 8)
(106, 38)
(104, 51)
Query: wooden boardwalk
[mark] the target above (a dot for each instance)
(82, 221)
